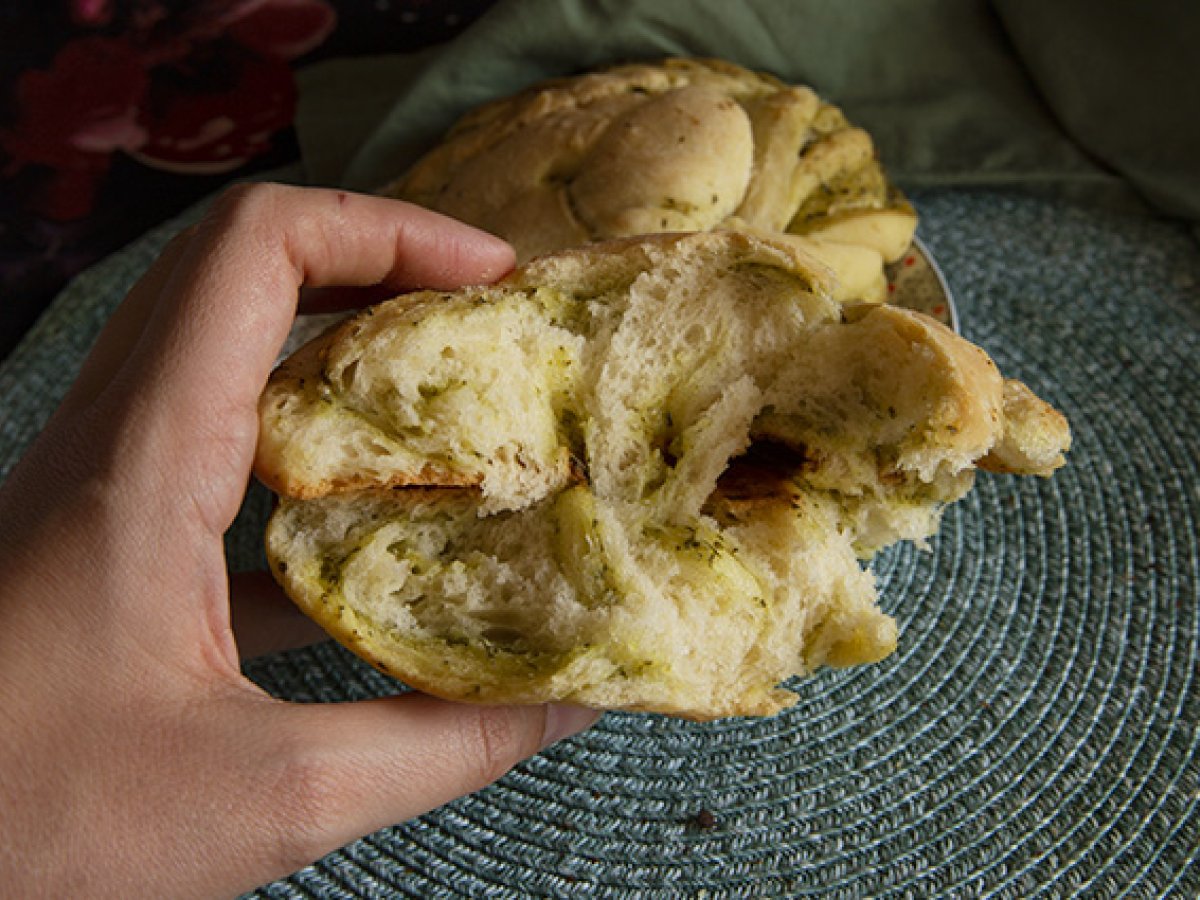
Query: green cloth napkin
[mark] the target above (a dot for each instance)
(1093, 101)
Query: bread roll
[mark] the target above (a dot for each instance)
(640, 474)
(681, 145)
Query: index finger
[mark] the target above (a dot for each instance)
(226, 309)
(235, 289)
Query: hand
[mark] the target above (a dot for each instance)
(135, 759)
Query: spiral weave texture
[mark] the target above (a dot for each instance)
(1034, 735)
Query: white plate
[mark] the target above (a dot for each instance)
(916, 282)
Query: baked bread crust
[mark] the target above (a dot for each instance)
(680, 145)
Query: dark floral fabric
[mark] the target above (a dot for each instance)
(115, 114)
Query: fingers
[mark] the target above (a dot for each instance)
(430, 251)
(235, 290)
(364, 766)
(218, 310)
(264, 620)
(124, 328)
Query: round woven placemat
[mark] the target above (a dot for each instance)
(1036, 732)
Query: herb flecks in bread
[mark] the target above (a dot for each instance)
(681, 145)
(636, 475)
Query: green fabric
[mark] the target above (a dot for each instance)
(1127, 90)
(1071, 98)
(334, 121)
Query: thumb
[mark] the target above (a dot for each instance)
(359, 767)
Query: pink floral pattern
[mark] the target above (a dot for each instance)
(117, 114)
(199, 91)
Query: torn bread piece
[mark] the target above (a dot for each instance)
(495, 386)
(637, 475)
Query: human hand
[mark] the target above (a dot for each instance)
(135, 759)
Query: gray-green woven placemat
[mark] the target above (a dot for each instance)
(1036, 732)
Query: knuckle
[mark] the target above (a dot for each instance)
(297, 226)
(248, 204)
(305, 808)
(492, 743)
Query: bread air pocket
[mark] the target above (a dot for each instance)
(636, 475)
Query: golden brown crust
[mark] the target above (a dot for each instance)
(1036, 435)
(969, 415)
(682, 144)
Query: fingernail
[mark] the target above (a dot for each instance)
(564, 720)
